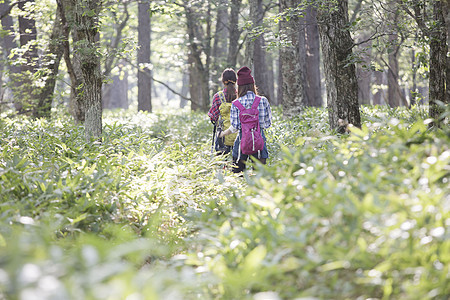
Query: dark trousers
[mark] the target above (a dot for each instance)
(239, 165)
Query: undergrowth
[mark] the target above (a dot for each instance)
(151, 213)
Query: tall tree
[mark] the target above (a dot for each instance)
(144, 81)
(28, 34)
(438, 62)
(8, 43)
(221, 37)
(198, 24)
(395, 96)
(340, 75)
(313, 90)
(235, 32)
(435, 29)
(50, 63)
(86, 19)
(292, 69)
(256, 52)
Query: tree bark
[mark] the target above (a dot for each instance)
(235, 32)
(292, 69)
(76, 100)
(86, 17)
(199, 46)
(221, 37)
(394, 97)
(28, 34)
(340, 75)
(438, 64)
(363, 73)
(51, 61)
(256, 53)
(184, 89)
(8, 43)
(144, 81)
(313, 89)
(115, 94)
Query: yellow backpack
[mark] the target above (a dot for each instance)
(224, 121)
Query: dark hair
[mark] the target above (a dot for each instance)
(243, 89)
(229, 81)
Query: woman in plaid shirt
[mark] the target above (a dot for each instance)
(247, 94)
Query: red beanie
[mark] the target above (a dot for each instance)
(245, 76)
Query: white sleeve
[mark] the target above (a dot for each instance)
(232, 129)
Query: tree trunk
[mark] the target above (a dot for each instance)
(184, 89)
(220, 45)
(363, 72)
(235, 32)
(271, 76)
(76, 102)
(291, 67)
(256, 53)
(51, 61)
(446, 12)
(86, 17)
(115, 94)
(28, 34)
(438, 64)
(413, 89)
(340, 75)
(144, 81)
(8, 43)
(393, 88)
(313, 89)
(198, 70)
(378, 94)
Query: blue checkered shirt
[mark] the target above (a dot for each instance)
(265, 114)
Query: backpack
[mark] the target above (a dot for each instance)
(225, 115)
(222, 123)
(251, 138)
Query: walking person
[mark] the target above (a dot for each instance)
(219, 112)
(248, 99)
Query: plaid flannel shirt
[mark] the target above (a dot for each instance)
(265, 114)
(214, 110)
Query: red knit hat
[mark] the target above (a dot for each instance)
(245, 76)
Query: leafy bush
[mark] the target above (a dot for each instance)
(150, 213)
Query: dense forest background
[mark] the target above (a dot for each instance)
(109, 188)
(162, 54)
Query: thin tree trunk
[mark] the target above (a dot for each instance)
(291, 67)
(235, 32)
(28, 34)
(413, 90)
(198, 70)
(76, 101)
(363, 74)
(313, 89)
(51, 60)
(184, 89)
(221, 37)
(438, 64)
(115, 94)
(8, 43)
(86, 17)
(256, 53)
(393, 90)
(378, 95)
(144, 82)
(340, 75)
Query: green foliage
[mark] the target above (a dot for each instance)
(151, 213)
